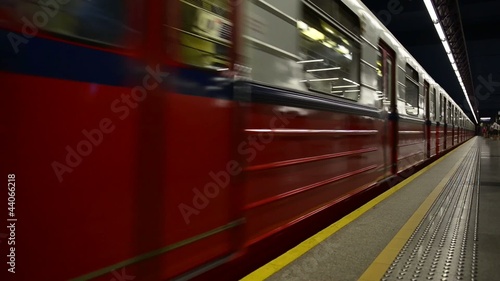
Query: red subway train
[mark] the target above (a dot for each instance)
(162, 139)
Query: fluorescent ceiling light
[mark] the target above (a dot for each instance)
(350, 81)
(323, 69)
(450, 57)
(430, 9)
(345, 86)
(308, 61)
(319, 79)
(446, 46)
(439, 29)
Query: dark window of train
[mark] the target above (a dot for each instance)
(205, 33)
(329, 58)
(443, 108)
(380, 84)
(340, 13)
(438, 107)
(412, 91)
(432, 104)
(102, 22)
(448, 113)
(452, 114)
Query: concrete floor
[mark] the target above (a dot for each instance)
(489, 211)
(348, 253)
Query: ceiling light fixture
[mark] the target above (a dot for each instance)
(446, 45)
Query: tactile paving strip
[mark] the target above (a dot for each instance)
(444, 245)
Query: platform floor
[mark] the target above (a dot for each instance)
(439, 224)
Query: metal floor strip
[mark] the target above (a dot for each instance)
(444, 244)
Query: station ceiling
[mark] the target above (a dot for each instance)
(409, 21)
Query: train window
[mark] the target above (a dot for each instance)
(448, 113)
(443, 107)
(329, 58)
(427, 99)
(205, 33)
(452, 114)
(438, 107)
(387, 65)
(380, 75)
(412, 91)
(432, 104)
(342, 14)
(389, 74)
(102, 22)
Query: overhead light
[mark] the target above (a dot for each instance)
(309, 61)
(450, 57)
(439, 29)
(319, 79)
(302, 25)
(485, 119)
(345, 86)
(430, 9)
(327, 44)
(446, 46)
(314, 34)
(350, 81)
(342, 49)
(328, 29)
(323, 69)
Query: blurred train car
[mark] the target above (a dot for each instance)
(161, 139)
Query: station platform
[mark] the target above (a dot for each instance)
(439, 224)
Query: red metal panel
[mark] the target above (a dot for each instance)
(309, 159)
(433, 141)
(103, 183)
(411, 146)
(449, 136)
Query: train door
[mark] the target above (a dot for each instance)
(453, 124)
(427, 120)
(389, 91)
(443, 119)
(203, 202)
(439, 120)
(449, 121)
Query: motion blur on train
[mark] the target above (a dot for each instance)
(161, 139)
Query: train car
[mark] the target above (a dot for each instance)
(161, 139)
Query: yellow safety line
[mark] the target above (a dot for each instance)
(382, 262)
(280, 262)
